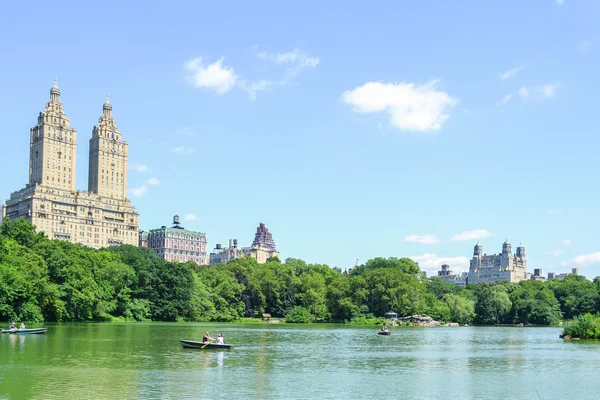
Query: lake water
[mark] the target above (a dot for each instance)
(145, 360)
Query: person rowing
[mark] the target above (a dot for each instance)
(207, 338)
(384, 328)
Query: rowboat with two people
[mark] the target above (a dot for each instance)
(206, 343)
(35, 331)
(191, 344)
(22, 330)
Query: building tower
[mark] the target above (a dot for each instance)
(53, 147)
(521, 252)
(263, 238)
(108, 158)
(477, 251)
(506, 248)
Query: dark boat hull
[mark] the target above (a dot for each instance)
(384, 333)
(191, 344)
(26, 331)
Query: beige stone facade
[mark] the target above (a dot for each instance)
(505, 266)
(263, 248)
(261, 255)
(100, 217)
(108, 158)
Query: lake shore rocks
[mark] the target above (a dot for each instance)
(420, 320)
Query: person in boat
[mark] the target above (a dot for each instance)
(22, 327)
(220, 339)
(12, 326)
(384, 328)
(207, 338)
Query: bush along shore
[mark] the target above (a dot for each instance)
(52, 280)
(586, 326)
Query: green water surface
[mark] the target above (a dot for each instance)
(146, 361)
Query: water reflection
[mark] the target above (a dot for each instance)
(146, 361)
(220, 356)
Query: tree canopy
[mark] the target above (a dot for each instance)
(43, 279)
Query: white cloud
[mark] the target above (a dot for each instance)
(546, 91)
(213, 76)
(139, 167)
(564, 264)
(506, 99)
(295, 61)
(423, 239)
(475, 234)
(512, 72)
(587, 259)
(411, 107)
(139, 191)
(567, 242)
(153, 181)
(191, 217)
(431, 263)
(560, 2)
(549, 89)
(222, 78)
(182, 149)
(296, 57)
(185, 131)
(554, 253)
(524, 92)
(253, 88)
(584, 47)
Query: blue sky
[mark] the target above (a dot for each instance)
(352, 129)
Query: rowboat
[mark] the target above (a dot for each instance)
(191, 344)
(25, 331)
(384, 333)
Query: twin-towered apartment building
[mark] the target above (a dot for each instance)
(101, 216)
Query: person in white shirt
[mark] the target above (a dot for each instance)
(220, 339)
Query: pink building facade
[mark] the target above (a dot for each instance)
(176, 243)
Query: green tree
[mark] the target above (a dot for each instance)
(299, 315)
(533, 302)
(462, 310)
(22, 231)
(493, 303)
(440, 287)
(405, 265)
(576, 295)
(392, 289)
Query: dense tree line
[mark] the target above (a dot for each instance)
(42, 279)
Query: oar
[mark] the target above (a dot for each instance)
(207, 343)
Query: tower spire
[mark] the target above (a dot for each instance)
(55, 92)
(107, 108)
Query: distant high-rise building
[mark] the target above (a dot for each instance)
(263, 248)
(222, 255)
(498, 267)
(176, 243)
(263, 238)
(100, 217)
(552, 275)
(538, 275)
(448, 275)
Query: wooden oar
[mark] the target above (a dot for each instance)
(207, 343)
